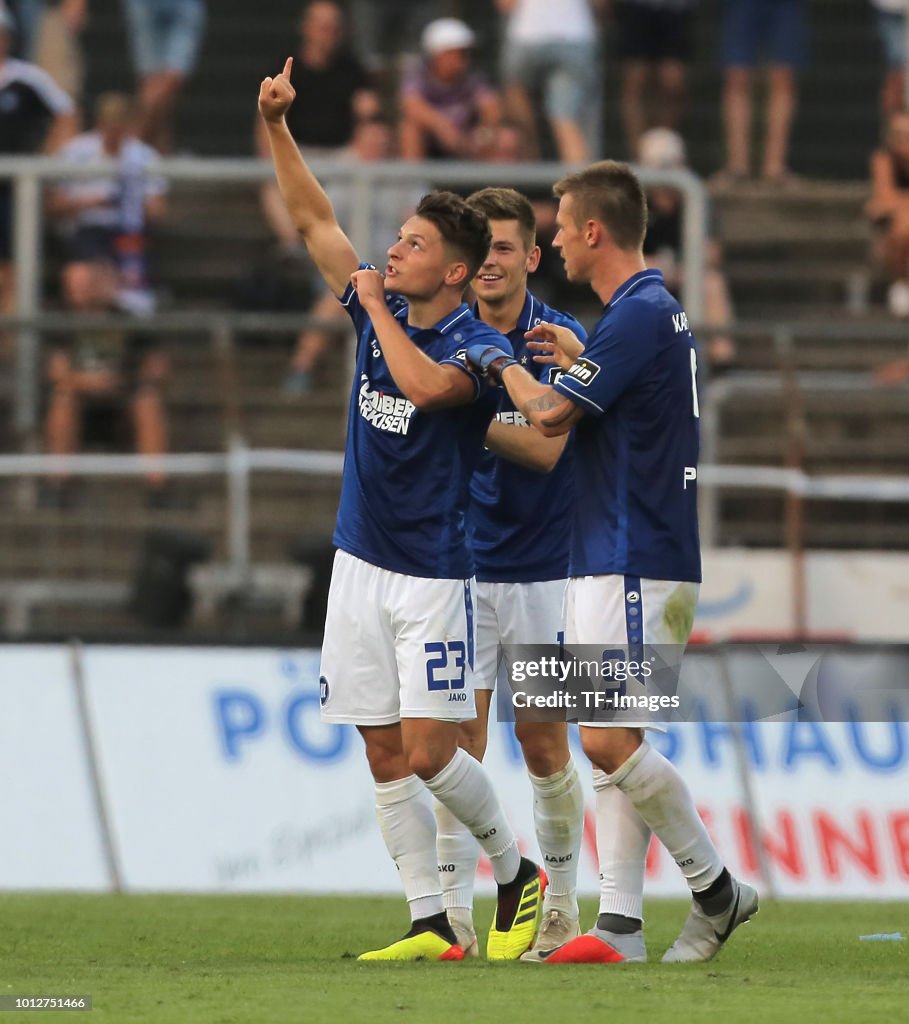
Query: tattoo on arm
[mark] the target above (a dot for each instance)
(561, 408)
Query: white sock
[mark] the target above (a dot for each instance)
(558, 814)
(464, 788)
(409, 831)
(622, 839)
(662, 799)
(458, 855)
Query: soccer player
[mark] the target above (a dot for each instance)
(397, 657)
(635, 556)
(521, 496)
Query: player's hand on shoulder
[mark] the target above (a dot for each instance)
(369, 286)
(276, 95)
(555, 344)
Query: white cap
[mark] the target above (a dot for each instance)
(447, 34)
(6, 19)
(661, 148)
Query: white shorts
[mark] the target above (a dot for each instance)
(396, 646)
(515, 613)
(630, 613)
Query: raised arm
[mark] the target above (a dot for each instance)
(308, 205)
(426, 383)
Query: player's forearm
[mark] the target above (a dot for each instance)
(304, 197)
(524, 446)
(421, 380)
(542, 406)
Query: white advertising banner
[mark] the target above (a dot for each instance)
(51, 838)
(850, 595)
(217, 776)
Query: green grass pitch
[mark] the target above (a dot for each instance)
(264, 959)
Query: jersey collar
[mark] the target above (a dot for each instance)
(445, 325)
(626, 287)
(529, 312)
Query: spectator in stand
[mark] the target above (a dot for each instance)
(107, 219)
(50, 31)
(890, 16)
(552, 50)
(392, 203)
(664, 149)
(325, 69)
(777, 26)
(165, 36)
(35, 114)
(888, 209)
(654, 45)
(448, 110)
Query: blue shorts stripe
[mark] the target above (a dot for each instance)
(468, 612)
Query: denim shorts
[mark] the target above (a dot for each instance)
(774, 28)
(567, 73)
(165, 34)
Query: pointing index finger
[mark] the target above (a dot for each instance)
(288, 67)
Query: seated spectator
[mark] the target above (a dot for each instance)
(35, 114)
(664, 149)
(779, 27)
(107, 218)
(105, 270)
(888, 209)
(49, 37)
(165, 36)
(392, 202)
(551, 50)
(337, 92)
(890, 17)
(654, 44)
(448, 111)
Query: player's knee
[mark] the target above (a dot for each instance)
(545, 751)
(609, 749)
(426, 762)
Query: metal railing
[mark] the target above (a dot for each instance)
(30, 174)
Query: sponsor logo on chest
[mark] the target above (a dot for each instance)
(390, 413)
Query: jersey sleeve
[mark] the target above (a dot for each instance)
(614, 358)
(458, 356)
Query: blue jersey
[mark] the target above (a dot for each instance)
(405, 487)
(517, 516)
(636, 450)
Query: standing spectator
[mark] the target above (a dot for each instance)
(35, 114)
(888, 208)
(654, 45)
(778, 27)
(165, 36)
(104, 271)
(448, 110)
(664, 149)
(50, 31)
(890, 16)
(552, 49)
(325, 71)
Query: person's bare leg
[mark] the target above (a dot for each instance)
(671, 89)
(157, 100)
(570, 141)
(149, 420)
(780, 112)
(737, 115)
(634, 119)
(518, 108)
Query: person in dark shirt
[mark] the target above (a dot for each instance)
(323, 68)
